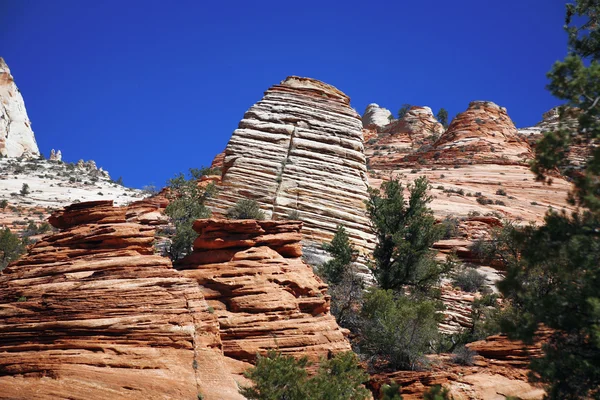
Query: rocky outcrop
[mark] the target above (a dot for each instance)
(263, 294)
(91, 313)
(483, 134)
(415, 132)
(16, 136)
(300, 149)
(578, 153)
(376, 117)
(499, 370)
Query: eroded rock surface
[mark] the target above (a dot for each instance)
(301, 149)
(91, 313)
(376, 117)
(499, 370)
(16, 136)
(261, 291)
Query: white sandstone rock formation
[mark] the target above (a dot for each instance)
(16, 136)
(301, 149)
(376, 117)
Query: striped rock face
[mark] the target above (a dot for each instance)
(16, 136)
(301, 149)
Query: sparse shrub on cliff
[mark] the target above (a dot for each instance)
(501, 192)
(293, 215)
(469, 280)
(25, 189)
(186, 205)
(442, 117)
(11, 247)
(463, 356)
(449, 227)
(3, 204)
(403, 110)
(245, 209)
(276, 376)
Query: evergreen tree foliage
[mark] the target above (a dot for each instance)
(24, 190)
(553, 272)
(277, 377)
(342, 253)
(11, 247)
(437, 392)
(442, 117)
(186, 205)
(403, 110)
(245, 209)
(390, 392)
(405, 230)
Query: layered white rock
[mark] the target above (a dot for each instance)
(300, 149)
(16, 136)
(376, 117)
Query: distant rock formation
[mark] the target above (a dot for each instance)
(483, 134)
(578, 153)
(300, 149)
(414, 132)
(16, 136)
(55, 155)
(263, 294)
(376, 117)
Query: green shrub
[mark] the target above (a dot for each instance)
(398, 330)
(245, 209)
(25, 189)
(293, 215)
(276, 376)
(469, 280)
(449, 227)
(437, 392)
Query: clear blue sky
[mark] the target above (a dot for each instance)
(150, 88)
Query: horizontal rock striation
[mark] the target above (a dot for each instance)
(300, 149)
(483, 134)
(16, 136)
(262, 293)
(91, 313)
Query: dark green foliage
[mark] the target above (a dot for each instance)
(397, 329)
(469, 280)
(347, 299)
(403, 110)
(553, 276)
(24, 190)
(293, 215)
(119, 181)
(405, 231)
(442, 117)
(3, 204)
(342, 253)
(277, 377)
(186, 205)
(437, 392)
(11, 247)
(449, 227)
(391, 392)
(245, 209)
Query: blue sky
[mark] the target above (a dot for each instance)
(151, 88)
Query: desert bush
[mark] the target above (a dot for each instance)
(449, 227)
(24, 189)
(293, 215)
(245, 209)
(469, 280)
(501, 192)
(276, 376)
(437, 392)
(463, 356)
(398, 330)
